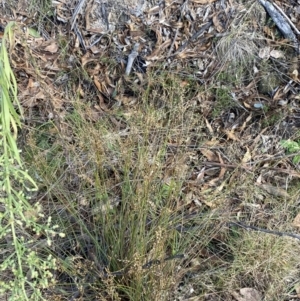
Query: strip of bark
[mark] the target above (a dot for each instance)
(131, 57)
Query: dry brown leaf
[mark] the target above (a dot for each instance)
(127, 100)
(278, 95)
(273, 190)
(53, 47)
(294, 75)
(247, 294)
(57, 102)
(210, 155)
(296, 221)
(212, 143)
(100, 88)
(159, 50)
(98, 85)
(213, 182)
(40, 95)
(210, 204)
(92, 115)
(247, 105)
(185, 54)
(29, 102)
(230, 135)
(217, 24)
(90, 6)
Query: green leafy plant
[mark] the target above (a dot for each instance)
(24, 273)
(292, 147)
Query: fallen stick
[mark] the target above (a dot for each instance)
(280, 22)
(250, 168)
(287, 18)
(278, 233)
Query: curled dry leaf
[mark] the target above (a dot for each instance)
(53, 47)
(210, 155)
(247, 156)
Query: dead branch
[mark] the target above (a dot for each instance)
(278, 233)
(280, 22)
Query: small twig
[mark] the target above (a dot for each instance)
(131, 58)
(147, 265)
(278, 233)
(226, 165)
(287, 171)
(173, 42)
(99, 39)
(276, 158)
(175, 37)
(252, 164)
(196, 35)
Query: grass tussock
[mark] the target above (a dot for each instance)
(117, 190)
(121, 197)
